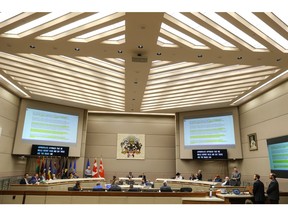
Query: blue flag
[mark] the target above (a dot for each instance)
(88, 163)
(75, 165)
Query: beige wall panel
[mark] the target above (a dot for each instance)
(8, 127)
(11, 165)
(95, 139)
(140, 200)
(11, 199)
(167, 153)
(58, 199)
(9, 110)
(8, 96)
(112, 200)
(84, 199)
(168, 200)
(6, 144)
(34, 199)
(269, 96)
(160, 140)
(265, 112)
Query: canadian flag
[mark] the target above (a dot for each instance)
(101, 169)
(95, 170)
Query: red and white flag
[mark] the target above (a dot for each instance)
(95, 173)
(101, 169)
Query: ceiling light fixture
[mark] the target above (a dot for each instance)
(14, 86)
(158, 53)
(120, 51)
(140, 47)
(77, 49)
(32, 46)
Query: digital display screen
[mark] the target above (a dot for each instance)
(209, 132)
(50, 126)
(44, 150)
(210, 154)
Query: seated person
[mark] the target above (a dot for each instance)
(115, 187)
(217, 179)
(77, 186)
(24, 180)
(130, 181)
(88, 172)
(98, 187)
(130, 175)
(178, 176)
(42, 177)
(34, 179)
(226, 182)
(192, 177)
(165, 187)
(132, 188)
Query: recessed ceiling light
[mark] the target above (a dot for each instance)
(140, 47)
(239, 58)
(200, 56)
(77, 49)
(120, 51)
(135, 82)
(279, 59)
(158, 53)
(32, 46)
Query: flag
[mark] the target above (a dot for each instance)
(49, 176)
(38, 165)
(88, 163)
(74, 165)
(42, 166)
(95, 170)
(101, 169)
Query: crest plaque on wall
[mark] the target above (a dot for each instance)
(131, 146)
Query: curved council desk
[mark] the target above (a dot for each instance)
(58, 184)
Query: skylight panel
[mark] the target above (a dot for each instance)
(181, 35)
(76, 24)
(163, 40)
(7, 15)
(102, 30)
(234, 30)
(201, 29)
(283, 17)
(263, 27)
(35, 23)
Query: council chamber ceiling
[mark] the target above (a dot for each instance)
(147, 62)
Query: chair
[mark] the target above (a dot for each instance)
(166, 190)
(186, 189)
(98, 189)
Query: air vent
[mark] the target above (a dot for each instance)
(139, 59)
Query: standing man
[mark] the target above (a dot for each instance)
(236, 177)
(258, 190)
(273, 190)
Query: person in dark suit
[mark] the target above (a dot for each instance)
(258, 190)
(273, 190)
(133, 189)
(34, 179)
(24, 180)
(77, 186)
(165, 187)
